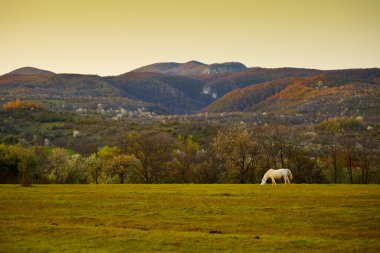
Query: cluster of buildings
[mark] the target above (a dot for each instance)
(118, 113)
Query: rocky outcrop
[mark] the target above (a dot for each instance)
(224, 67)
(192, 68)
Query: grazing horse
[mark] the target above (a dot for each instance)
(277, 174)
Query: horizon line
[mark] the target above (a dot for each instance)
(248, 67)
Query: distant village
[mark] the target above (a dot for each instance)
(262, 118)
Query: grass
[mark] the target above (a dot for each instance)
(189, 218)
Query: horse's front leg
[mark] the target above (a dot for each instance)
(273, 181)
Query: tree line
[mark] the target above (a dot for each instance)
(236, 154)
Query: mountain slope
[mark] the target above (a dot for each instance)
(178, 94)
(220, 86)
(326, 96)
(331, 93)
(241, 99)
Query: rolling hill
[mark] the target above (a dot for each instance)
(58, 85)
(66, 90)
(29, 71)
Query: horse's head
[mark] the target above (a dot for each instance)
(265, 177)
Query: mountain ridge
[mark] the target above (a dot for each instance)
(192, 68)
(272, 90)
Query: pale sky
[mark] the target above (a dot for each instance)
(110, 37)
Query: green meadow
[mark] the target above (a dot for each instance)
(189, 218)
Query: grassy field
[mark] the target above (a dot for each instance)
(189, 218)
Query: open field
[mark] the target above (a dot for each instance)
(189, 218)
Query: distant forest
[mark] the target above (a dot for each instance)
(338, 150)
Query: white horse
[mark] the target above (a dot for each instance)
(277, 174)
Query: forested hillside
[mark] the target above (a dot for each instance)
(329, 94)
(41, 146)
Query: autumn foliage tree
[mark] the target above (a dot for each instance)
(120, 165)
(94, 166)
(19, 104)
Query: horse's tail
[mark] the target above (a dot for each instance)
(290, 175)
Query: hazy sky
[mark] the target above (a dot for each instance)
(109, 37)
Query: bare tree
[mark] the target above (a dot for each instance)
(367, 156)
(266, 139)
(237, 150)
(185, 157)
(153, 149)
(348, 149)
(208, 168)
(333, 150)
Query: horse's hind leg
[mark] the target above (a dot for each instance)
(287, 178)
